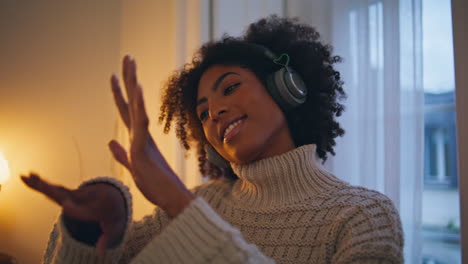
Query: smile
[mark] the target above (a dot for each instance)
(233, 129)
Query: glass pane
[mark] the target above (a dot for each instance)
(441, 217)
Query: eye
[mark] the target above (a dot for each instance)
(203, 115)
(230, 89)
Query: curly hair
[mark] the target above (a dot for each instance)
(311, 123)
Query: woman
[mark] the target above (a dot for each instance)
(260, 110)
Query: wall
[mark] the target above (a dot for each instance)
(56, 109)
(56, 112)
(148, 35)
(460, 42)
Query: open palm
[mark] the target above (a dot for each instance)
(150, 171)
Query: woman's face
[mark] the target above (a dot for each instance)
(239, 118)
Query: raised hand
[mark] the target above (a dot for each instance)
(99, 202)
(150, 171)
(103, 203)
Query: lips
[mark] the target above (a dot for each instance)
(229, 127)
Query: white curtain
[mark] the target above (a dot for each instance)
(233, 17)
(380, 42)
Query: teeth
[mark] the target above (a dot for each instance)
(230, 127)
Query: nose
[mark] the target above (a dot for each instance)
(216, 112)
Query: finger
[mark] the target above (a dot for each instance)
(55, 192)
(120, 101)
(111, 237)
(131, 89)
(32, 181)
(129, 76)
(140, 121)
(119, 153)
(102, 243)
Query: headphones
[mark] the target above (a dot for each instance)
(285, 86)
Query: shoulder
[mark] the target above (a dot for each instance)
(356, 196)
(366, 208)
(356, 200)
(363, 201)
(370, 226)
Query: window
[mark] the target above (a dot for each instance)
(441, 217)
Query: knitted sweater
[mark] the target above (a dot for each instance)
(283, 209)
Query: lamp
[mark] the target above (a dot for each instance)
(4, 170)
(4, 175)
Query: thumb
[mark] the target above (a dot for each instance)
(102, 243)
(120, 154)
(111, 237)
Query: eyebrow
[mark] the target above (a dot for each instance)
(215, 86)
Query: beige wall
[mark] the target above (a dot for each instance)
(148, 34)
(56, 109)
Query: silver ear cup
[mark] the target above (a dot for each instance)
(213, 156)
(287, 88)
(285, 85)
(295, 85)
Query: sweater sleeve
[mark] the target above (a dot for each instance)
(372, 234)
(63, 248)
(200, 235)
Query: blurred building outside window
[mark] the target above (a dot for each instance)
(441, 217)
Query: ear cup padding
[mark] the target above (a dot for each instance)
(214, 157)
(274, 92)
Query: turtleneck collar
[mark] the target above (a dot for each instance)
(284, 179)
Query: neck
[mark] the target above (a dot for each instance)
(287, 144)
(284, 179)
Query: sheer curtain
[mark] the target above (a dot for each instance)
(380, 42)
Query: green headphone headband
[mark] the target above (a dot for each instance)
(285, 85)
(279, 59)
(266, 52)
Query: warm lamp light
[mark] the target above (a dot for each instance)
(4, 170)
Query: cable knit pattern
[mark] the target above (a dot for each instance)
(284, 209)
